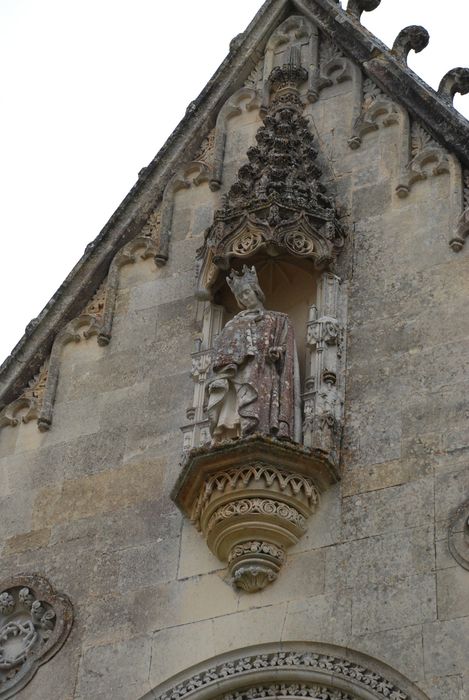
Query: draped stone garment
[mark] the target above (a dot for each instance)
(248, 391)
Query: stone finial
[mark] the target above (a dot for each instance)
(414, 38)
(455, 81)
(357, 7)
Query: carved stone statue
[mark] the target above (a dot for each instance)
(253, 385)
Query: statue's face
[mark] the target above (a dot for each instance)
(248, 298)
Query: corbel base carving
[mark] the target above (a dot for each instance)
(251, 499)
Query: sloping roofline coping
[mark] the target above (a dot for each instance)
(441, 119)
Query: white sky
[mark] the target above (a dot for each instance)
(91, 90)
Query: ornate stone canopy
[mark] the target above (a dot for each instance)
(278, 203)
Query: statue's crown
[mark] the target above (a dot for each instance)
(246, 278)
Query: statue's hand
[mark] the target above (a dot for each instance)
(275, 354)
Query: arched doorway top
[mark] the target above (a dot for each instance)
(289, 670)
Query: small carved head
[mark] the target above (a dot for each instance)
(245, 287)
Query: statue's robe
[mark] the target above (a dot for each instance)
(248, 392)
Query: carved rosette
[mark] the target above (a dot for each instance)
(251, 499)
(34, 623)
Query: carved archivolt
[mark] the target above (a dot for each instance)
(293, 669)
(34, 623)
(458, 535)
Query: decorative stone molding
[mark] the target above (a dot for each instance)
(377, 110)
(334, 68)
(96, 319)
(413, 38)
(458, 535)
(278, 203)
(462, 229)
(324, 385)
(83, 327)
(254, 79)
(246, 99)
(427, 158)
(251, 499)
(300, 34)
(192, 175)
(28, 406)
(144, 246)
(291, 669)
(34, 623)
(196, 432)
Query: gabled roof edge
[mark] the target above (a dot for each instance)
(439, 116)
(83, 280)
(377, 61)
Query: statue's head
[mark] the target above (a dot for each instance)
(245, 287)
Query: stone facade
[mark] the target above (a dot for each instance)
(106, 392)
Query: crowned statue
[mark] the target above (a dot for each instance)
(253, 386)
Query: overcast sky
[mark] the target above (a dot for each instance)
(90, 91)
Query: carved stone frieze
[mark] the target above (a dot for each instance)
(289, 690)
(458, 535)
(251, 498)
(427, 158)
(377, 110)
(34, 623)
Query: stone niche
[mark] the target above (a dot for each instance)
(251, 499)
(264, 431)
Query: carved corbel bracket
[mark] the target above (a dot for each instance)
(251, 498)
(34, 623)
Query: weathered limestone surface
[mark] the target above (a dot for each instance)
(87, 504)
